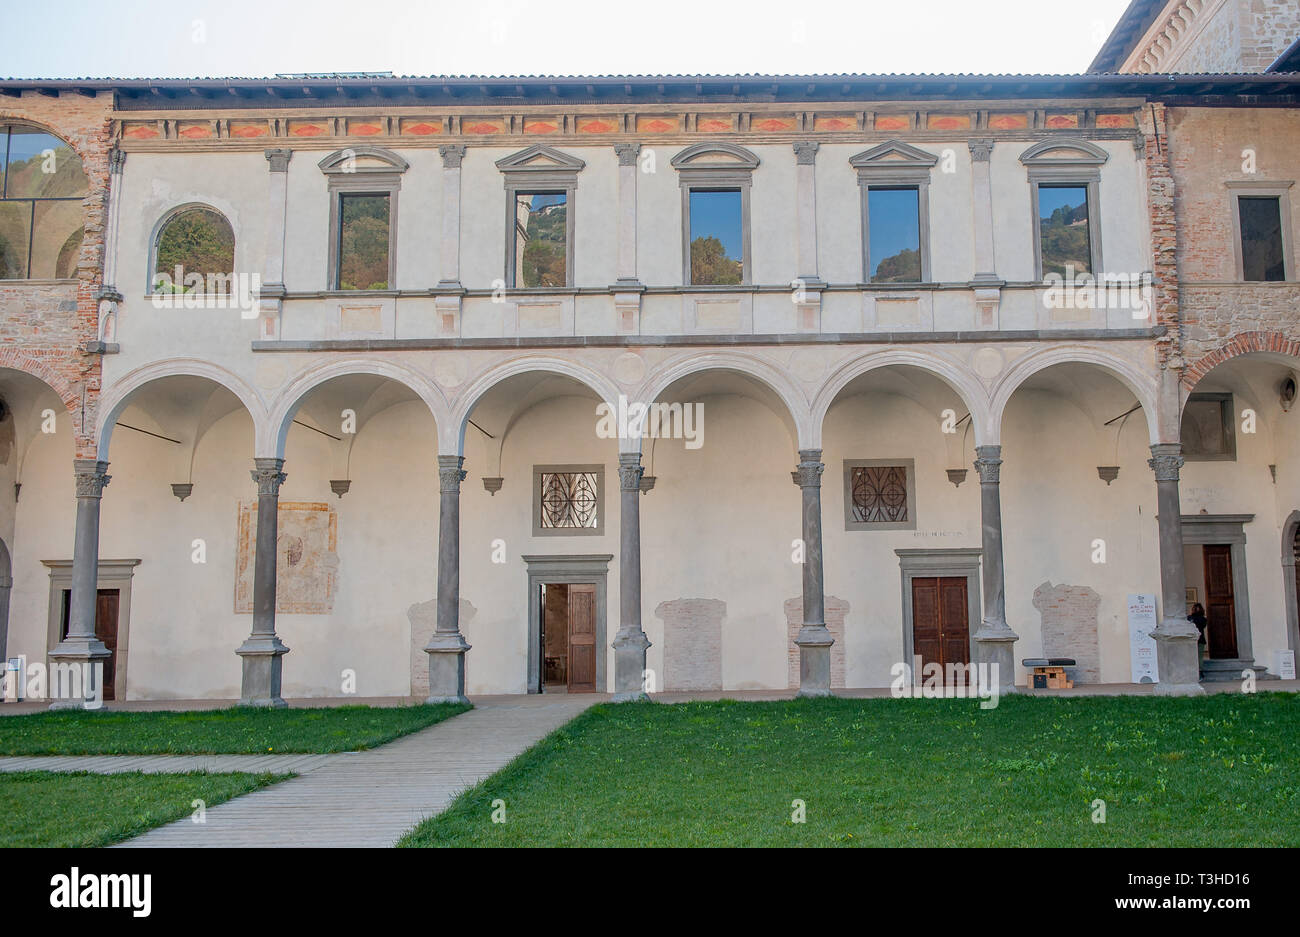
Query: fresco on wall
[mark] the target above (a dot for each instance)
(307, 568)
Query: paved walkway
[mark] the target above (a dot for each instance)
(371, 798)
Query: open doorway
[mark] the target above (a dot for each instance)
(568, 625)
(1209, 584)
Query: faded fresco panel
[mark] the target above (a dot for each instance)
(307, 565)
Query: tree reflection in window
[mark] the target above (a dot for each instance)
(717, 239)
(541, 239)
(41, 190)
(363, 242)
(1063, 229)
(197, 241)
(569, 499)
(894, 220)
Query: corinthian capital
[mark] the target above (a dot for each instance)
(988, 462)
(450, 473)
(630, 471)
(1166, 459)
(91, 477)
(268, 476)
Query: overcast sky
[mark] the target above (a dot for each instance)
(175, 38)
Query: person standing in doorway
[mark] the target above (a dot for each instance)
(1197, 617)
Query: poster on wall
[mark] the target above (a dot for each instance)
(1142, 647)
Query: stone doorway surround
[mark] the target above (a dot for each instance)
(1290, 585)
(953, 562)
(113, 574)
(567, 568)
(1202, 529)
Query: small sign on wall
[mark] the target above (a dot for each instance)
(1284, 664)
(1142, 647)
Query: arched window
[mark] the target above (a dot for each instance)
(194, 252)
(41, 190)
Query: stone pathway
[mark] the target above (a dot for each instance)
(368, 798)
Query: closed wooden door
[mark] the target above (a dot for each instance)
(107, 602)
(1220, 605)
(940, 622)
(582, 638)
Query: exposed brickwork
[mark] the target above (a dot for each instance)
(836, 611)
(1241, 344)
(1164, 231)
(692, 643)
(1069, 627)
(423, 617)
(44, 327)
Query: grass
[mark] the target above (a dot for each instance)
(48, 809)
(1222, 770)
(214, 732)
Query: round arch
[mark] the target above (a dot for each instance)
(1243, 343)
(171, 215)
(796, 405)
(452, 442)
(949, 370)
(116, 398)
(271, 443)
(1139, 383)
(15, 360)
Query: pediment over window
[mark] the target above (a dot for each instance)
(715, 156)
(539, 158)
(362, 160)
(894, 154)
(1064, 153)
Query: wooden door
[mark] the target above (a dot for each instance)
(1220, 605)
(107, 602)
(582, 638)
(940, 623)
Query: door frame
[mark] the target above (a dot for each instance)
(6, 588)
(113, 574)
(1218, 529)
(1290, 600)
(953, 563)
(563, 569)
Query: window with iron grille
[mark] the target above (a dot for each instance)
(879, 494)
(568, 500)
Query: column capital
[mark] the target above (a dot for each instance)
(988, 462)
(627, 153)
(805, 152)
(1166, 459)
(278, 158)
(450, 473)
(808, 474)
(269, 476)
(116, 161)
(630, 471)
(980, 150)
(452, 154)
(92, 476)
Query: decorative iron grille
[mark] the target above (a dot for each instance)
(569, 499)
(879, 494)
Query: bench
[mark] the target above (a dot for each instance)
(1048, 673)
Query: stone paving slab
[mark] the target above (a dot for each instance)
(371, 798)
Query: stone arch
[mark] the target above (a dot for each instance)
(1243, 343)
(1131, 375)
(15, 360)
(766, 374)
(949, 370)
(286, 403)
(116, 398)
(452, 440)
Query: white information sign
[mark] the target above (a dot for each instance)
(1142, 647)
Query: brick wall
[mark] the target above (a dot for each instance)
(692, 643)
(836, 610)
(44, 326)
(1163, 227)
(1069, 627)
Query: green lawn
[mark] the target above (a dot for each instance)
(1221, 770)
(45, 808)
(221, 731)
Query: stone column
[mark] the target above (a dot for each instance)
(447, 646)
(814, 640)
(994, 640)
(109, 298)
(986, 283)
(627, 289)
(271, 292)
(452, 155)
(630, 643)
(81, 648)
(1176, 638)
(263, 651)
(805, 206)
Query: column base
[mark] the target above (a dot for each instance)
(995, 645)
(1179, 689)
(447, 669)
(1178, 665)
(263, 657)
(814, 643)
(86, 655)
(629, 666)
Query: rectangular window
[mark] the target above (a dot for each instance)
(541, 239)
(568, 500)
(879, 494)
(1207, 428)
(894, 224)
(717, 237)
(1063, 233)
(363, 242)
(1261, 237)
(15, 239)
